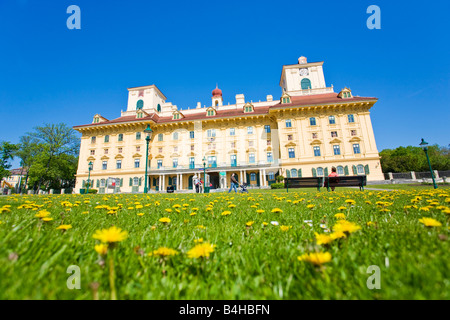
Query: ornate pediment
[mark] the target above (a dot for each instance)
(316, 141)
(104, 158)
(290, 144)
(137, 155)
(119, 156)
(355, 139)
(91, 158)
(335, 140)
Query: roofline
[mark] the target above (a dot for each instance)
(294, 105)
(148, 87)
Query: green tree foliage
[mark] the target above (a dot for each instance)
(7, 150)
(405, 159)
(51, 155)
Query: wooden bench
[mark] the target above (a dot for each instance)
(346, 181)
(310, 182)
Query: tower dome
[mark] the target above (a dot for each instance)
(217, 92)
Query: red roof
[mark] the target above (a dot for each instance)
(318, 99)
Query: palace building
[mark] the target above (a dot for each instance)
(304, 133)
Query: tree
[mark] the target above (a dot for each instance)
(54, 152)
(405, 159)
(7, 150)
(27, 151)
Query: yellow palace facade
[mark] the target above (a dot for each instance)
(304, 133)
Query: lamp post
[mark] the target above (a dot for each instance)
(204, 174)
(424, 146)
(89, 177)
(149, 133)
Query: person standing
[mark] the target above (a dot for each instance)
(234, 183)
(196, 182)
(333, 174)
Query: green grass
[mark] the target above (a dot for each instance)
(407, 186)
(248, 262)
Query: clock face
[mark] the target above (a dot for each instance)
(304, 72)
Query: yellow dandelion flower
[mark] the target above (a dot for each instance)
(277, 210)
(342, 208)
(323, 239)
(110, 235)
(193, 213)
(430, 222)
(164, 220)
(101, 249)
(140, 214)
(350, 201)
(226, 213)
(337, 235)
(285, 228)
(346, 226)
(265, 224)
(47, 219)
(426, 209)
(310, 206)
(42, 214)
(163, 252)
(202, 250)
(198, 240)
(260, 211)
(64, 227)
(232, 206)
(318, 258)
(168, 210)
(339, 216)
(249, 224)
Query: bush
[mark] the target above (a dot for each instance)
(277, 186)
(94, 191)
(280, 178)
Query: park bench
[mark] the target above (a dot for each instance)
(309, 182)
(346, 181)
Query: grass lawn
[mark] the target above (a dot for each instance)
(227, 246)
(416, 186)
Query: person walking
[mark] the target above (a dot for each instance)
(196, 182)
(333, 174)
(234, 183)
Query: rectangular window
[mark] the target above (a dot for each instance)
(106, 139)
(175, 149)
(233, 160)
(175, 163)
(92, 152)
(356, 149)
(331, 120)
(106, 151)
(191, 134)
(160, 137)
(353, 133)
(334, 134)
(290, 137)
(212, 161)
(317, 151)
(269, 157)
(119, 164)
(160, 150)
(233, 145)
(93, 139)
(175, 136)
(249, 130)
(269, 142)
(250, 143)
(120, 138)
(159, 163)
(138, 149)
(191, 163)
(351, 118)
(104, 165)
(288, 123)
(337, 150)
(138, 136)
(251, 158)
(120, 150)
(192, 147)
(312, 121)
(267, 128)
(291, 153)
(137, 163)
(314, 135)
(232, 131)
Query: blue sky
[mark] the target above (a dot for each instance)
(51, 74)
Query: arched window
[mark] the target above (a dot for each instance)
(158, 108)
(340, 170)
(217, 103)
(294, 173)
(306, 84)
(140, 104)
(320, 171)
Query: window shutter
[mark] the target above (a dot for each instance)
(326, 172)
(170, 181)
(121, 182)
(346, 170)
(355, 172)
(131, 182)
(366, 169)
(299, 173)
(83, 184)
(314, 172)
(98, 183)
(140, 182)
(288, 173)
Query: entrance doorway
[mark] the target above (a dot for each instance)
(214, 179)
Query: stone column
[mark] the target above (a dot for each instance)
(245, 177)
(413, 175)
(261, 182)
(160, 183)
(181, 181)
(241, 178)
(264, 178)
